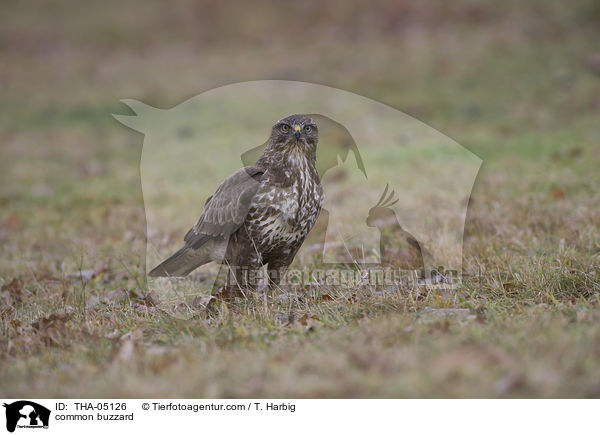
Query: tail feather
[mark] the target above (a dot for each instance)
(180, 263)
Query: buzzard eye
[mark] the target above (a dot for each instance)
(307, 129)
(285, 128)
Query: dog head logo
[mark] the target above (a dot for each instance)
(26, 414)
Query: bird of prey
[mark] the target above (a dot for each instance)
(260, 214)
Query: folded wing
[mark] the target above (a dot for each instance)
(224, 212)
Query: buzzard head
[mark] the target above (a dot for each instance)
(295, 131)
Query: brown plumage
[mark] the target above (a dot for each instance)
(260, 214)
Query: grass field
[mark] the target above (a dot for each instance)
(517, 83)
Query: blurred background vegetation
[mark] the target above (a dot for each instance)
(500, 78)
(516, 82)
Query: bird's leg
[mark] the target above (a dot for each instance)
(274, 277)
(231, 287)
(221, 279)
(241, 281)
(275, 271)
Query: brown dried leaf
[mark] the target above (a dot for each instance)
(326, 297)
(481, 313)
(13, 290)
(558, 193)
(54, 319)
(52, 327)
(145, 299)
(205, 302)
(7, 313)
(12, 223)
(575, 152)
(310, 323)
(442, 325)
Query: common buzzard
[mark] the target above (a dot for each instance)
(260, 214)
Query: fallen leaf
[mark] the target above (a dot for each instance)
(146, 299)
(442, 325)
(52, 327)
(575, 152)
(509, 288)
(12, 223)
(205, 302)
(310, 323)
(558, 193)
(7, 313)
(52, 320)
(13, 290)
(481, 313)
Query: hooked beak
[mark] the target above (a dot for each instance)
(297, 131)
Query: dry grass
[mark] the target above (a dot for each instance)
(510, 82)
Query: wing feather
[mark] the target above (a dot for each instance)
(226, 210)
